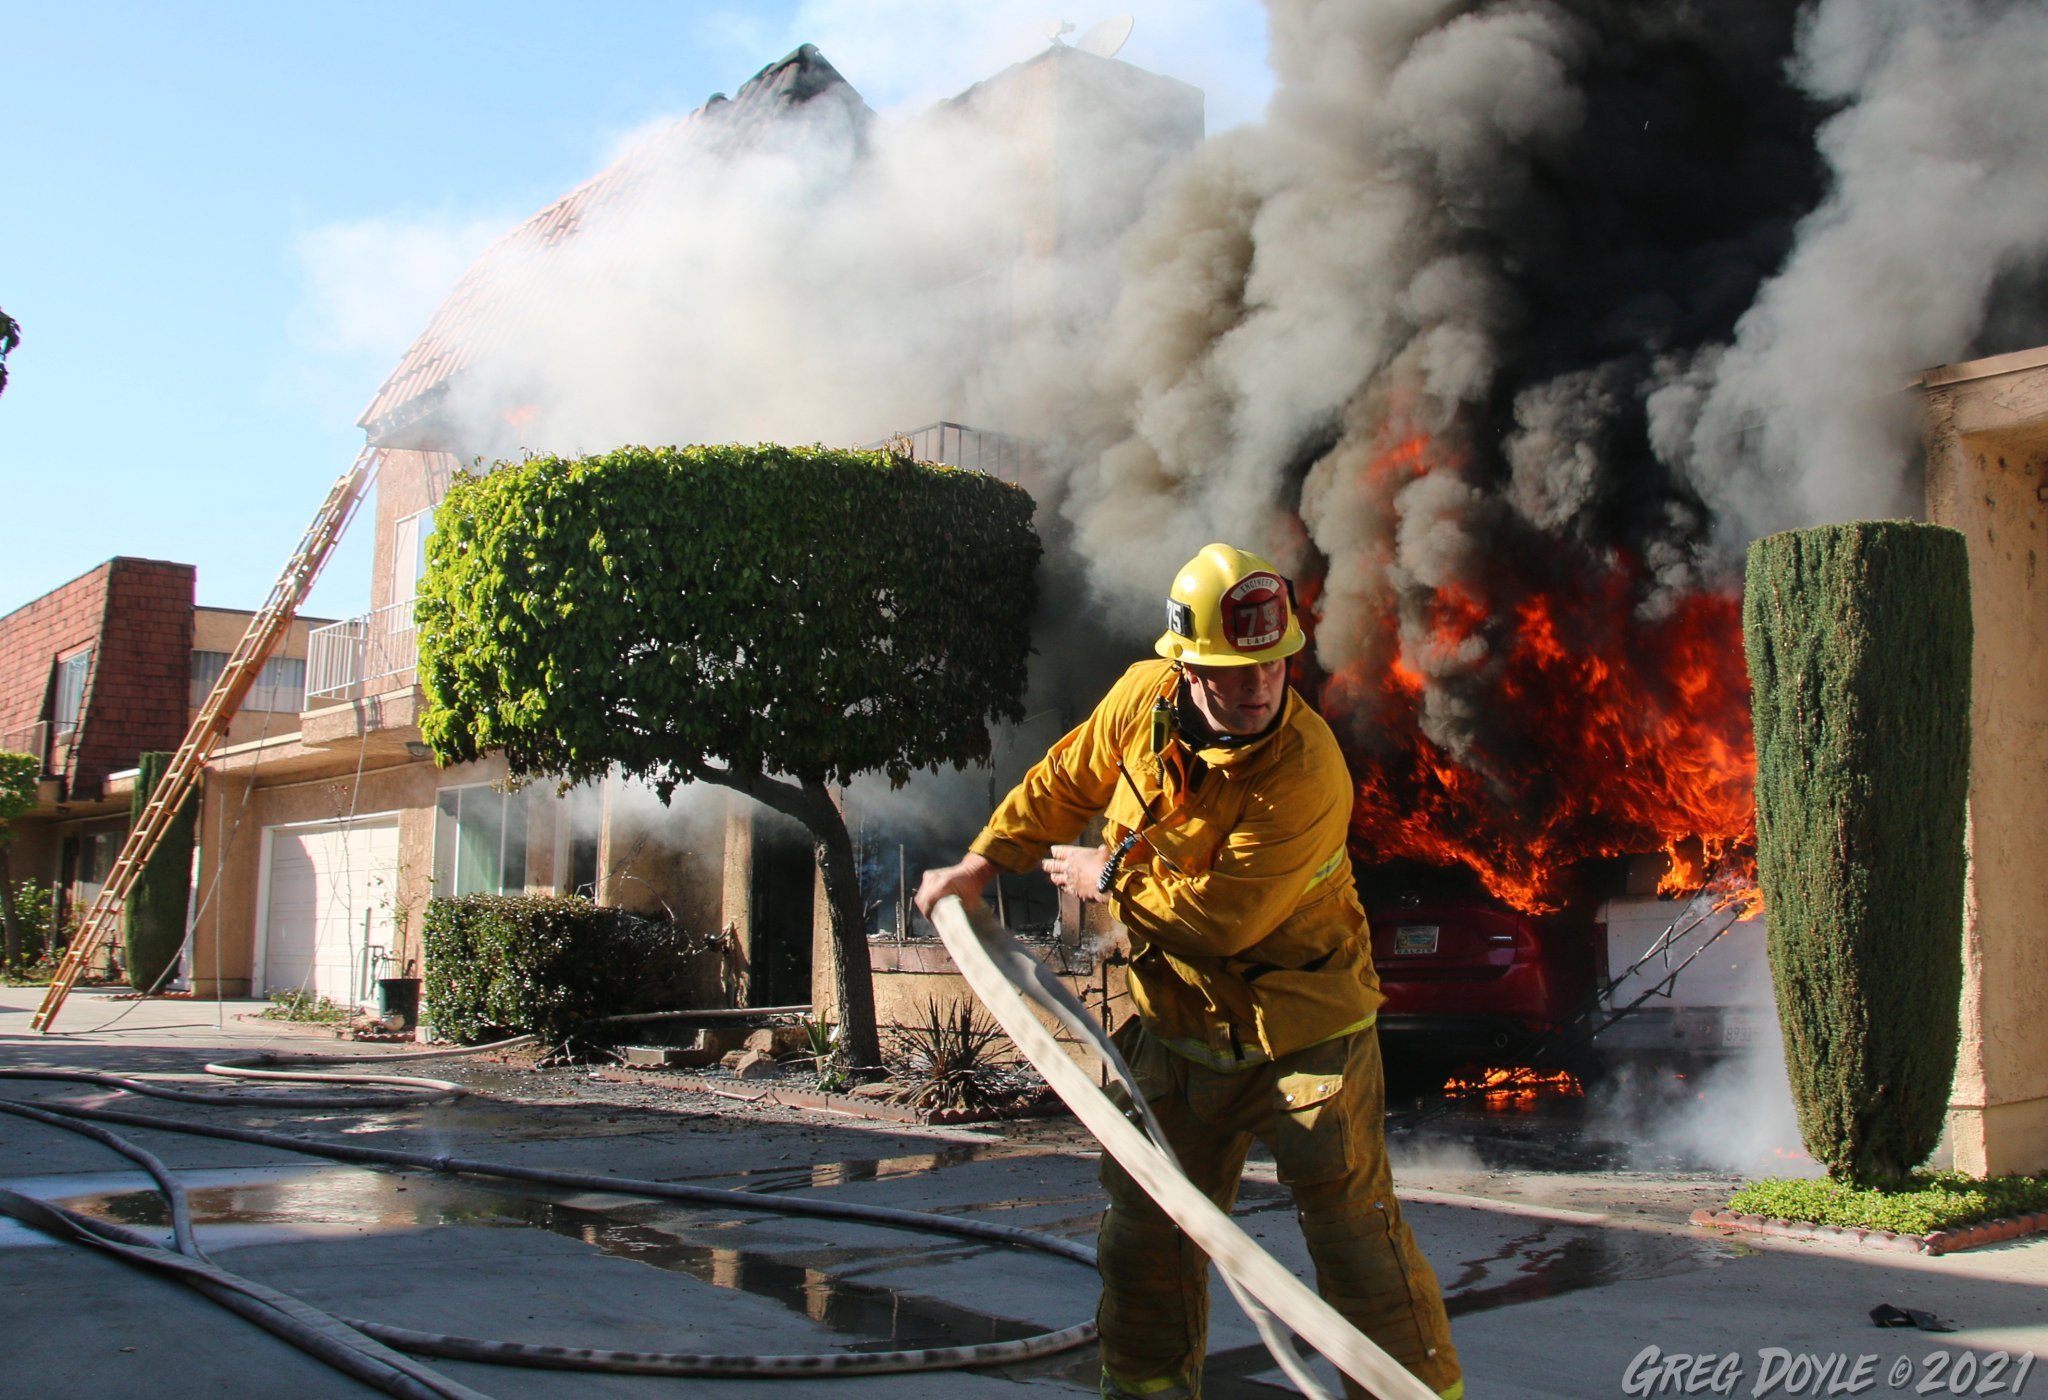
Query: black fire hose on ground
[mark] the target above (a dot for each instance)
(359, 1347)
(1004, 982)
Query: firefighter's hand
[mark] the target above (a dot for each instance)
(968, 880)
(1079, 869)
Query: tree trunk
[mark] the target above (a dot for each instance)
(8, 919)
(853, 981)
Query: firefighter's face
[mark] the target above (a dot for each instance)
(1238, 699)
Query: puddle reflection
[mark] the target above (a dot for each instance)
(818, 1281)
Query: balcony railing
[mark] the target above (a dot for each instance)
(31, 739)
(954, 445)
(362, 656)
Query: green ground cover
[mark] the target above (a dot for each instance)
(1927, 1201)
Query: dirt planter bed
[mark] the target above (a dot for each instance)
(791, 1096)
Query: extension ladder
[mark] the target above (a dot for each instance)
(266, 629)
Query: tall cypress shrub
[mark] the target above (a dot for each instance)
(153, 920)
(1858, 638)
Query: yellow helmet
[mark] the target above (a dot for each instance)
(1229, 607)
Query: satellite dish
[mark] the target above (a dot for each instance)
(1104, 39)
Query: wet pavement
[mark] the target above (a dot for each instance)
(1560, 1235)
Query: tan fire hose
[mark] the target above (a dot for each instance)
(1004, 975)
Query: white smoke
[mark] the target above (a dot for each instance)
(1938, 157)
(370, 284)
(810, 271)
(1738, 1116)
(743, 300)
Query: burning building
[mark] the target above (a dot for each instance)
(1505, 331)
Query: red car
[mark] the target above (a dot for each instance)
(1471, 982)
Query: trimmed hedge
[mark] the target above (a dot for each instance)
(499, 965)
(1859, 657)
(153, 918)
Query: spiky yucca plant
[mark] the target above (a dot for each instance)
(955, 1058)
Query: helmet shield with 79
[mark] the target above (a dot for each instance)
(1229, 607)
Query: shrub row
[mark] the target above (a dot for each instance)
(499, 965)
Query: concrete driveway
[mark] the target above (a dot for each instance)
(1564, 1280)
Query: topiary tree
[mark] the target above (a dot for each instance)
(771, 619)
(1859, 657)
(18, 774)
(153, 917)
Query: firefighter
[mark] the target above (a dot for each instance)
(1226, 805)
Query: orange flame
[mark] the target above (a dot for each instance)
(1611, 732)
(1515, 1090)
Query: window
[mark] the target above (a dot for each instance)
(206, 669)
(101, 850)
(409, 538)
(579, 814)
(479, 841)
(280, 685)
(71, 674)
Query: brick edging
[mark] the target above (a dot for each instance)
(2010, 1227)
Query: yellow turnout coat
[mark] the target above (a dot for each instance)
(1247, 938)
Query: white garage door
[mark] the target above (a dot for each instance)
(329, 903)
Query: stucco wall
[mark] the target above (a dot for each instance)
(913, 978)
(224, 935)
(221, 629)
(406, 484)
(1988, 477)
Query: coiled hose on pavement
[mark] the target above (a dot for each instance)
(1007, 979)
(364, 1349)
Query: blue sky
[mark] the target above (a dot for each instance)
(223, 222)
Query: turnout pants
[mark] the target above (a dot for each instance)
(1321, 1113)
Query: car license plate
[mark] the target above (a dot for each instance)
(1415, 938)
(1741, 1029)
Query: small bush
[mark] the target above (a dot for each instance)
(821, 1048)
(32, 914)
(1927, 1201)
(499, 965)
(301, 1005)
